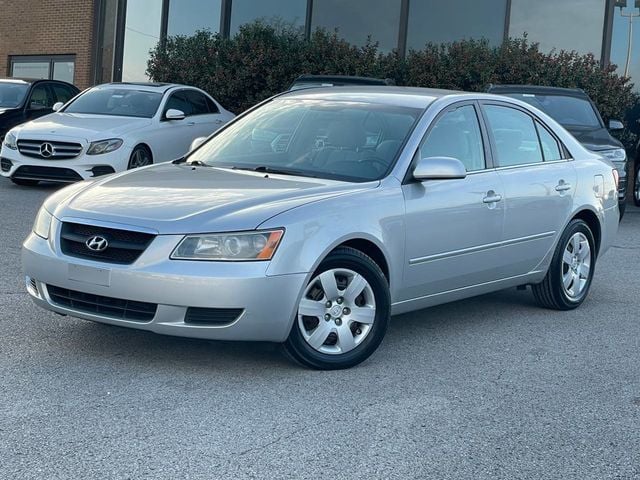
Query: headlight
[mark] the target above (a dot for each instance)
(104, 146)
(615, 155)
(43, 223)
(241, 246)
(10, 141)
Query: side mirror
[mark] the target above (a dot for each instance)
(57, 106)
(616, 125)
(439, 168)
(197, 142)
(174, 114)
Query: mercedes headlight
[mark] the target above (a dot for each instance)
(240, 246)
(10, 141)
(42, 224)
(104, 146)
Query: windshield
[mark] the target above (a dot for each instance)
(341, 140)
(567, 111)
(12, 94)
(122, 102)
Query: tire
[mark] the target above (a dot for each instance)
(330, 337)
(622, 207)
(561, 289)
(140, 157)
(636, 185)
(25, 183)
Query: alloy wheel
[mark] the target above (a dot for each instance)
(576, 264)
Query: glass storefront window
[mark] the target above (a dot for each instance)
(275, 12)
(106, 41)
(188, 16)
(356, 20)
(56, 67)
(568, 24)
(63, 71)
(434, 21)
(30, 69)
(625, 50)
(142, 34)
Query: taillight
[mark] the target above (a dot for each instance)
(616, 177)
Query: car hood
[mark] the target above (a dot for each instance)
(596, 140)
(178, 199)
(80, 126)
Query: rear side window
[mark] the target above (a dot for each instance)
(550, 147)
(456, 134)
(213, 108)
(515, 136)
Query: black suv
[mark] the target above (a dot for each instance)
(22, 100)
(574, 110)
(309, 81)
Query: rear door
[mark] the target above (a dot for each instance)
(453, 226)
(538, 180)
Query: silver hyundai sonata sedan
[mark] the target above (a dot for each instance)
(317, 215)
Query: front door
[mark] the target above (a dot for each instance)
(453, 226)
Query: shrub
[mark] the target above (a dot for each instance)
(262, 60)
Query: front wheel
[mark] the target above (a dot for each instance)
(569, 276)
(636, 185)
(343, 313)
(140, 157)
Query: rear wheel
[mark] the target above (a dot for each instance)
(25, 183)
(568, 279)
(343, 314)
(140, 157)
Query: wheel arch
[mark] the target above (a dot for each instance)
(370, 249)
(592, 220)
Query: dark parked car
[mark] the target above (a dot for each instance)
(22, 100)
(309, 81)
(576, 112)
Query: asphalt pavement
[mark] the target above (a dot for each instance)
(488, 388)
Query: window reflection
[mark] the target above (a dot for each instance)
(142, 34)
(276, 12)
(567, 24)
(188, 16)
(625, 50)
(443, 22)
(356, 20)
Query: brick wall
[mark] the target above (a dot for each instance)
(48, 27)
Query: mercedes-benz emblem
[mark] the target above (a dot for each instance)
(46, 150)
(97, 243)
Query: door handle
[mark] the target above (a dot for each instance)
(191, 124)
(492, 197)
(562, 186)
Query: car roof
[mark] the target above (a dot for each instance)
(29, 81)
(538, 89)
(151, 86)
(345, 79)
(388, 95)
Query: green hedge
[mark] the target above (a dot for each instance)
(262, 60)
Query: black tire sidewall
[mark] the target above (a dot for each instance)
(555, 270)
(307, 355)
(139, 147)
(636, 186)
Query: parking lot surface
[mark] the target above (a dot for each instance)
(490, 387)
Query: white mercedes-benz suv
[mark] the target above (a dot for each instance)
(110, 128)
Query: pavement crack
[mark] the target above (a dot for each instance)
(284, 436)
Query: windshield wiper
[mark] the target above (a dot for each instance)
(275, 171)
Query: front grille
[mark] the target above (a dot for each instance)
(52, 174)
(212, 316)
(5, 164)
(124, 246)
(49, 150)
(117, 308)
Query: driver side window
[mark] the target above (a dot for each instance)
(456, 134)
(39, 98)
(178, 101)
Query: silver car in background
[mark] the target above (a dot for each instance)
(317, 215)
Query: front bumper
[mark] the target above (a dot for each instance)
(267, 303)
(83, 167)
